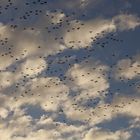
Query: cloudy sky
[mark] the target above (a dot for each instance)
(69, 69)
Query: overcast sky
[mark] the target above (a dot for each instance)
(69, 69)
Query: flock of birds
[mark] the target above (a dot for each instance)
(63, 60)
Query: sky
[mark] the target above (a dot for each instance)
(69, 70)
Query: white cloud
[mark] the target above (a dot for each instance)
(3, 113)
(82, 37)
(127, 69)
(99, 134)
(126, 21)
(33, 66)
(88, 78)
(5, 32)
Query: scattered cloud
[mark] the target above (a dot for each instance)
(43, 67)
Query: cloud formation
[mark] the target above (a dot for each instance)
(59, 75)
